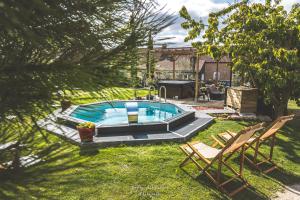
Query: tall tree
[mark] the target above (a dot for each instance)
(150, 59)
(209, 45)
(50, 45)
(264, 42)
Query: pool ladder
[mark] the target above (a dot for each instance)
(150, 89)
(160, 89)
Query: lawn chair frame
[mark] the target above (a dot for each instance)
(268, 135)
(227, 151)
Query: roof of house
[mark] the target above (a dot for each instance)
(188, 51)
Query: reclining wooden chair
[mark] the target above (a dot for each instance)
(196, 151)
(255, 142)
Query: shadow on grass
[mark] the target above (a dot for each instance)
(89, 151)
(290, 145)
(283, 177)
(287, 142)
(248, 193)
(16, 184)
(287, 145)
(59, 158)
(280, 174)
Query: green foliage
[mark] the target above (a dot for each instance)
(49, 45)
(86, 125)
(263, 40)
(210, 45)
(150, 58)
(195, 27)
(214, 52)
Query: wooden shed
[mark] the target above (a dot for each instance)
(242, 99)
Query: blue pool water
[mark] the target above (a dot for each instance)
(116, 112)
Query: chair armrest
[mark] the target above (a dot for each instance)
(217, 142)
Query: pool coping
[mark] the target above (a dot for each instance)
(178, 134)
(65, 115)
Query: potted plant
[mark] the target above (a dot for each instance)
(64, 102)
(86, 131)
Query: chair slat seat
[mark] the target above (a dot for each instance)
(203, 149)
(227, 136)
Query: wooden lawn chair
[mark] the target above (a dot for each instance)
(198, 151)
(257, 140)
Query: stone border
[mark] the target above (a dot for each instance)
(66, 115)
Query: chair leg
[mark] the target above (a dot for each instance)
(242, 160)
(255, 152)
(190, 158)
(266, 159)
(219, 170)
(251, 162)
(244, 186)
(239, 176)
(217, 179)
(272, 146)
(185, 161)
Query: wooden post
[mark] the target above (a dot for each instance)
(148, 65)
(173, 68)
(217, 77)
(197, 80)
(230, 82)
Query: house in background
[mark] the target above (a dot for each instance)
(181, 64)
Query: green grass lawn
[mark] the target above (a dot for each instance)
(143, 172)
(293, 105)
(115, 93)
(294, 108)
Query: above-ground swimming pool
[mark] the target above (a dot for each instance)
(127, 122)
(116, 113)
(114, 116)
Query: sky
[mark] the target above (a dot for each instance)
(198, 9)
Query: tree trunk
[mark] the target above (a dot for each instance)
(148, 64)
(280, 109)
